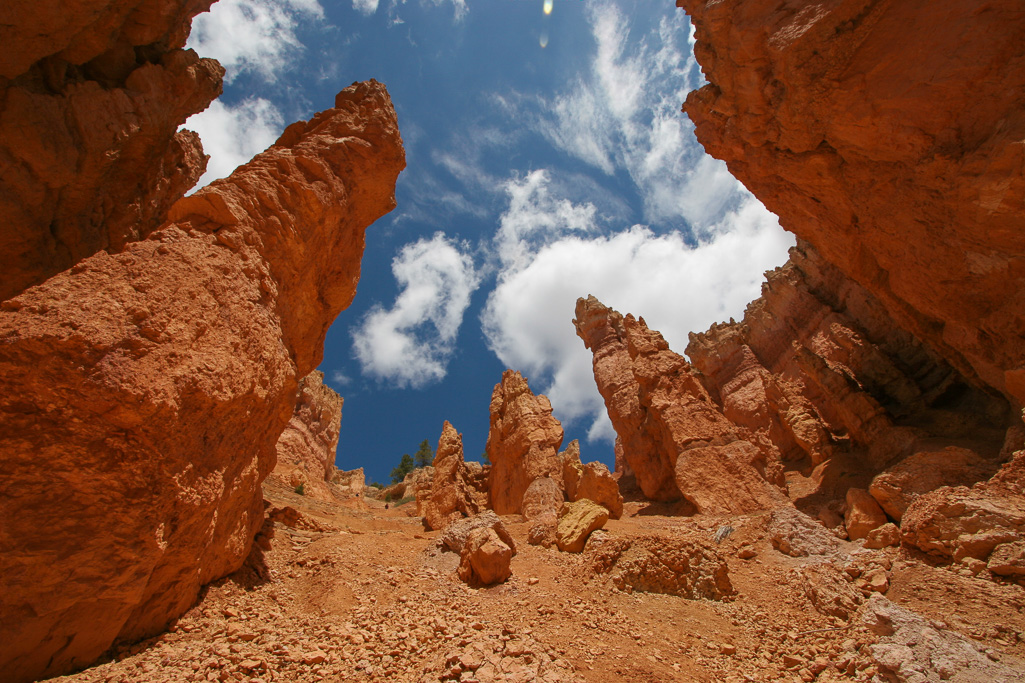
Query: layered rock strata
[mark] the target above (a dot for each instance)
(145, 390)
(306, 449)
(897, 153)
(523, 442)
(91, 98)
(674, 434)
(455, 492)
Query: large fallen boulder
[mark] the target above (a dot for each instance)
(576, 522)
(144, 392)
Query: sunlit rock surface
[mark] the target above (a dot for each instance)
(145, 390)
(91, 97)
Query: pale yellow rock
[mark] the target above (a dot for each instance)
(576, 522)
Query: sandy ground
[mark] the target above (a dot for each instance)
(351, 591)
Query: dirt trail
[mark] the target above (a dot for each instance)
(351, 591)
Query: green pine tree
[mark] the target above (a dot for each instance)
(424, 455)
(404, 467)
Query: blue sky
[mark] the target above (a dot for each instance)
(547, 160)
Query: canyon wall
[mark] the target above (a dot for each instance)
(91, 97)
(306, 449)
(890, 136)
(145, 390)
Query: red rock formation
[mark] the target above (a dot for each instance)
(306, 449)
(454, 491)
(144, 391)
(592, 481)
(675, 438)
(523, 442)
(602, 331)
(91, 97)
(897, 153)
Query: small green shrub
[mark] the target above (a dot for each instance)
(403, 501)
(301, 489)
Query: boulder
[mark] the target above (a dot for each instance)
(897, 487)
(455, 536)
(485, 558)
(576, 522)
(952, 523)
(659, 564)
(862, 514)
(452, 493)
(886, 536)
(523, 443)
(145, 391)
(306, 449)
(543, 498)
(1008, 559)
(592, 481)
(796, 534)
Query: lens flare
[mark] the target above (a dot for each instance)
(548, 7)
(544, 40)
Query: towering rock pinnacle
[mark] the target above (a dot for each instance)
(896, 152)
(456, 489)
(144, 391)
(523, 442)
(674, 436)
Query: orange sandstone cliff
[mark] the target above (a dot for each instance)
(889, 136)
(91, 97)
(306, 449)
(145, 390)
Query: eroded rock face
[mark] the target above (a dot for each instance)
(897, 154)
(306, 449)
(523, 442)
(454, 492)
(91, 98)
(675, 438)
(897, 487)
(592, 481)
(145, 391)
(657, 564)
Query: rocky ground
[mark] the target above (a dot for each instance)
(352, 591)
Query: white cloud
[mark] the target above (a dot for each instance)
(232, 135)
(624, 114)
(253, 35)
(411, 343)
(339, 378)
(365, 6)
(678, 288)
(534, 215)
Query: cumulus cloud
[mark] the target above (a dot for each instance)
(232, 135)
(253, 35)
(677, 287)
(411, 343)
